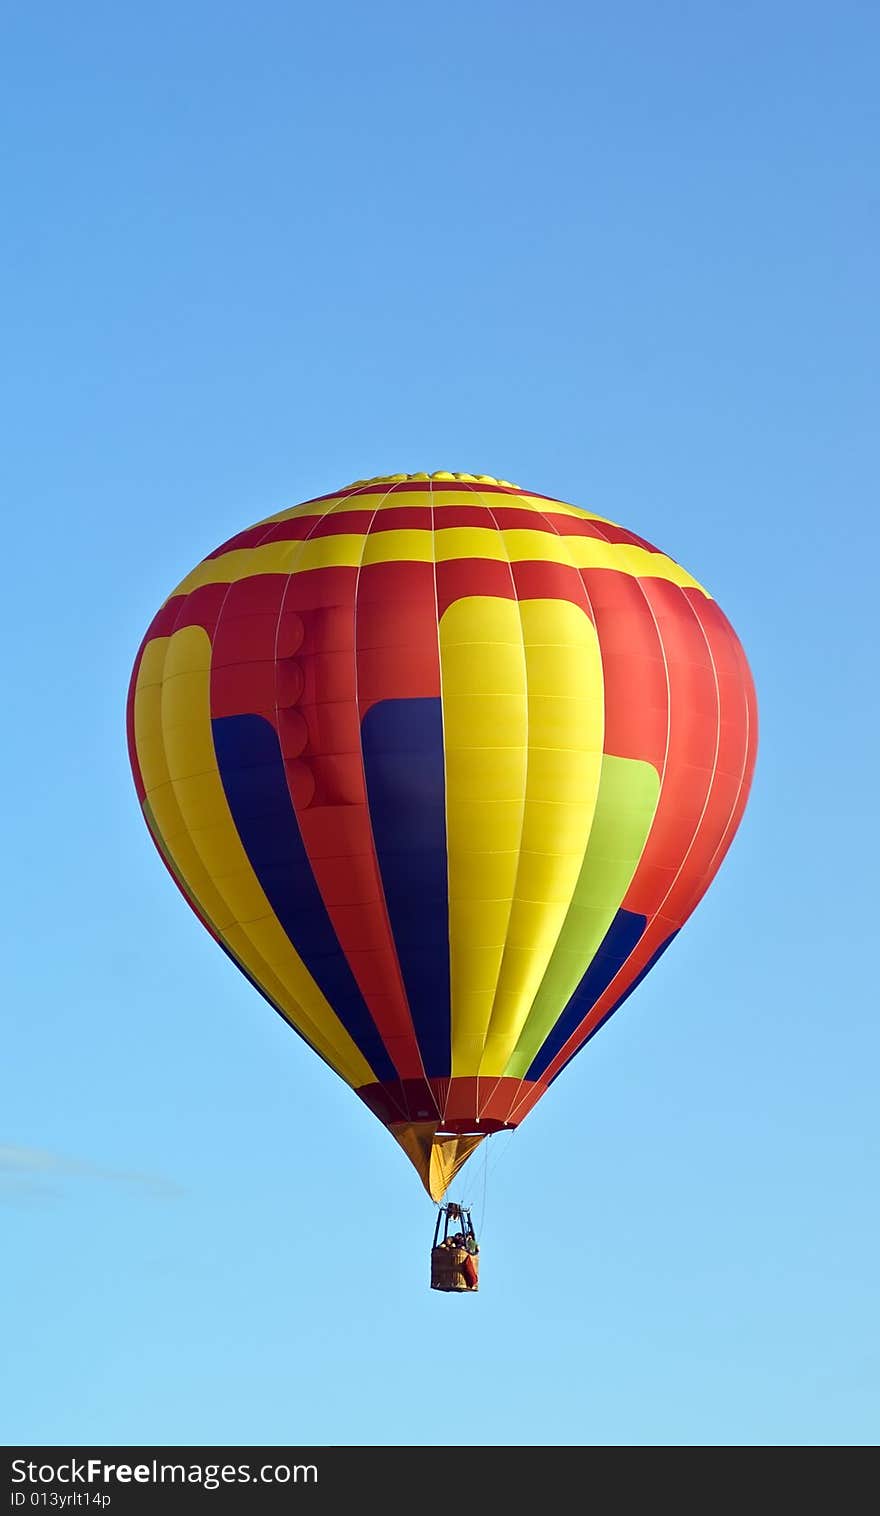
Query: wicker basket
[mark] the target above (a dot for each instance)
(446, 1268)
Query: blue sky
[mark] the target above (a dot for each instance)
(623, 254)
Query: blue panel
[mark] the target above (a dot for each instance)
(252, 770)
(625, 996)
(619, 941)
(406, 787)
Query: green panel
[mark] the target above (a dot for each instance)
(628, 793)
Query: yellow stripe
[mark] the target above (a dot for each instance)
(447, 495)
(446, 543)
(565, 733)
(309, 508)
(241, 563)
(549, 507)
(485, 725)
(397, 547)
(473, 542)
(523, 712)
(176, 753)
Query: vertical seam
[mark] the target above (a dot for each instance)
(597, 523)
(525, 786)
(298, 548)
(261, 960)
(696, 831)
(375, 856)
(433, 510)
(564, 547)
(747, 743)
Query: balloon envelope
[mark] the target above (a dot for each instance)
(443, 765)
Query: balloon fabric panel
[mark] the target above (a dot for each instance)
(443, 766)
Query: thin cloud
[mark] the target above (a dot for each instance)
(33, 1173)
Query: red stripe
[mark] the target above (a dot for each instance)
(308, 695)
(440, 486)
(200, 607)
(736, 758)
(243, 647)
(633, 669)
(338, 524)
(465, 516)
(603, 531)
(420, 518)
(397, 644)
(693, 726)
(685, 849)
(404, 518)
(296, 529)
(511, 518)
(459, 578)
(328, 791)
(461, 1100)
(544, 580)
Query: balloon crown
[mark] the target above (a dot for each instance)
(442, 476)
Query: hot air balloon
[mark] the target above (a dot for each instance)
(443, 765)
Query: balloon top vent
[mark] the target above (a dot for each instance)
(441, 477)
